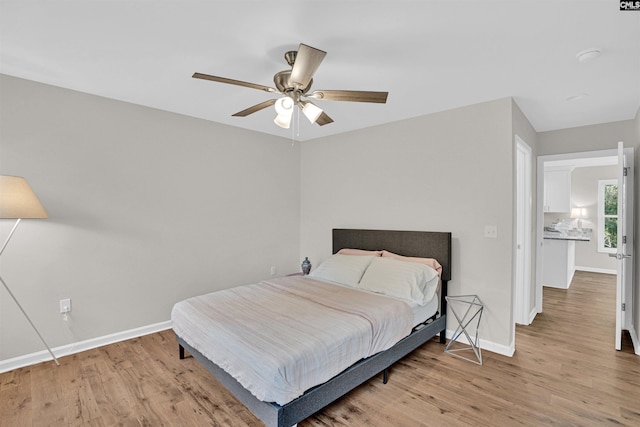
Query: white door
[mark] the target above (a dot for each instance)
(522, 304)
(624, 253)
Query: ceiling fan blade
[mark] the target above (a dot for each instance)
(324, 119)
(233, 82)
(255, 108)
(350, 95)
(307, 61)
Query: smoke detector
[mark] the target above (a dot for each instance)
(588, 55)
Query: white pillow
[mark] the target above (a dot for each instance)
(401, 279)
(343, 269)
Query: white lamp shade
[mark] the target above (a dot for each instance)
(282, 120)
(312, 111)
(284, 108)
(578, 213)
(17, 199)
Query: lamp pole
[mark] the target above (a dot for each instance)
(17, 201)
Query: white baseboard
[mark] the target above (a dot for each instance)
(77, 347)
(533, 315)
(487, 345)
(596, 270)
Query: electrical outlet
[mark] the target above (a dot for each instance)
(65, 306)
(274, 271)
(491, 231)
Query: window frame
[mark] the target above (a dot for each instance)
(602, 217)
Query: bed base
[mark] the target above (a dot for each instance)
(410, 243)
(274, 415)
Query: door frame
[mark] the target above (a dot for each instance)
(522, 312)
(539, 207)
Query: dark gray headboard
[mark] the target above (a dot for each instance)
(424, 244)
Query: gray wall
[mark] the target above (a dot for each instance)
(148, 207)
(450, 171)
(145, 208)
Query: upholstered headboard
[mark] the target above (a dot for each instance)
(425, 244)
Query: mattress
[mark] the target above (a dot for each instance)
(423, 312)
(279, 338)
(420, 312)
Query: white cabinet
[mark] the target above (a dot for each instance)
(557, 191)
(559, 263)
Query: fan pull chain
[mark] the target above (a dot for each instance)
(295, 129)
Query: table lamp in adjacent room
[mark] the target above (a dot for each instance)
(580, 214)
(18, 201)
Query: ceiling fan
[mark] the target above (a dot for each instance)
(295, 84)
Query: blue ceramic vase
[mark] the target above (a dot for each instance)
(306, 266)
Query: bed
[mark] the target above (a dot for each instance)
(387, 350)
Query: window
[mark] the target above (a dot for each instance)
(607, 215)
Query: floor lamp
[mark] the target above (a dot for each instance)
(17, 201)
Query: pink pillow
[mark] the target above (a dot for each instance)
(347, 251)
(427, 261)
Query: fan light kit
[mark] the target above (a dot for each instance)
(284, 108)
(295, 84)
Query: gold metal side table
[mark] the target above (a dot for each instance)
(472, 307)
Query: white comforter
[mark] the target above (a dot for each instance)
(281, 337)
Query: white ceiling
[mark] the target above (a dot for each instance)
(429, 55)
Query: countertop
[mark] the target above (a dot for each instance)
(581, 235)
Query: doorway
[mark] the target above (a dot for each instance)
(596, 158)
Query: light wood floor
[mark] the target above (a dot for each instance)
(565, 372)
